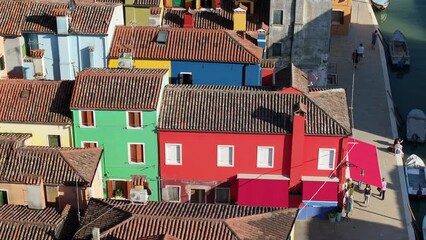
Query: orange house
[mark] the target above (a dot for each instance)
(341, 16)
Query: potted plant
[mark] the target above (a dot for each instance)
(332, 216)
(118, 193)
(339, 210)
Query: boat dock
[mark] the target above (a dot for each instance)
(374, 121)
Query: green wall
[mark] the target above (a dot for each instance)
(113, 136)
(139, 14)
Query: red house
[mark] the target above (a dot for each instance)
(257, 146)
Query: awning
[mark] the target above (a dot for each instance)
(363, 156)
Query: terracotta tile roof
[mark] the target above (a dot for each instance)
(37, 53)
(119, 89)
(147, 3)
(16, 138)
(247, 110)
(88, 18)
(59, 166)
(268, 63)
(185, 44)
(12, 13)
(178, 220)
(219, 19)
(43, 102)
(292, 76)
(155, 10)
(20, 222)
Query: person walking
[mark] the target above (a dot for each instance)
(367, 194)
(383, 189)
(360, 51)
(398, 147)
(348, 206)
(373, 39)
(355, 58)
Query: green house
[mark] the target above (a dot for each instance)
(143, 12)
(117, 110)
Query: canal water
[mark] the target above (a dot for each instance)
(408, 86)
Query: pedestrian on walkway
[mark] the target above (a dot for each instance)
(398, 147)
(360, 51)
(355, 58)
(348, 206)
(383, 189)
(352, 189)
(367, 194)
(373, 39)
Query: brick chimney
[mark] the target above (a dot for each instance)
(240, 17)
(262, 31)
(297, 146)
(188, 19)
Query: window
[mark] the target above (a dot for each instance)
(171, 194)
(278, 17)
(222, 195)
(276, 49)
(265, 157)
(337, 17)
(326, 158)
(137, 152)
(118, 189)
(54, 140)
(3, 197)
(198, 196)
(2, 63)
(185, 78)
(173, 154)
(87, 118)
(225, 156)
(52, 195)
(89, 144)
(134, 119)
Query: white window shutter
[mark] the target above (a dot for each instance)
(270, 157)
(330, 159)
(230, 156)
(171, 154)
(165, 194)
(178, 153)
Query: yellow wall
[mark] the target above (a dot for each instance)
(40, 132)
(16, 193)
(97, 186)
(239, 21)
(139, 63)
(3, 74)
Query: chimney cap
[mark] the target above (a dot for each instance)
(240, 8)
(262, 27)
(300, 109)
(190, 11)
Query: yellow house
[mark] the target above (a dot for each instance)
(40, 108)
(47, 176)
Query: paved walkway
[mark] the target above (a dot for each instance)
(373, 123)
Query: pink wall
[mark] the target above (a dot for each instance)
(199, 155)
(327, 193)
(262, 192)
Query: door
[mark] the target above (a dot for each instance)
(178, 3)
(3, 197)
(198, 196)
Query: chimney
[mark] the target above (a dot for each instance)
(62, 21)
(188, 19)
(261, 37)
(35, 191)
(96, 235)
(38, 61)
(216, 4)
(297, 146)
(240, 17)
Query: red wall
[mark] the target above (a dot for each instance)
(267, 76)
(253, 192)
(328, 192)
(199, 155)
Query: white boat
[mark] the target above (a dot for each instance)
(415, 176)
(398, 50)
(416, 126)
(380, 4)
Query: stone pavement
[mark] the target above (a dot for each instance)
(373, 122)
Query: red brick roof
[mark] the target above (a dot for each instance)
(185, 45)
(220, 19)
(123, 220)
(12, 13)
(88, 18)
(148, 3)
(43, 102)
(20, 222)
(118, 89)
(59, 166)
(250, 110)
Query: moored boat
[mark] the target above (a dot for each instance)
(416, 126)
(380, 4)
(398, 50)
(415, 176)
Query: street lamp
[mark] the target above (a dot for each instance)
(349, 164)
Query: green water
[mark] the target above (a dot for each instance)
(409, 87)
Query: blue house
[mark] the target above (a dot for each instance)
(62, 39)
(194, 56)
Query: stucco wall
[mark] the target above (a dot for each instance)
(3, 73)
(112, 135)
(40, 132)
(138, 63)
(14, 56)
(138, 14)
(16, 193)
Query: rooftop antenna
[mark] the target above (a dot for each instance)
(133, 24)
